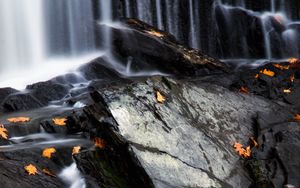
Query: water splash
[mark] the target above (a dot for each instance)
(72, 177)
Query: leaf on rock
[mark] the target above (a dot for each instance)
(287, 91)
(256, 76)
(30, 169)
(253, 142)
(293, 60)
(245, 153)
(18, 119)
(155, 33)
(76, 150)
(100, 143)
(244, 90)
(268, 72)
(60, 121)
(159, 97)
(47, 152)
(3, 132)
(292, 78)
(297, 117)
(48, 172)
(281, 67)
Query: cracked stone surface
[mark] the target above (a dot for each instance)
(186, 141)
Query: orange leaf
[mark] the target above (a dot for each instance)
(253, 141)
(60, 121)
(76, 150)
(244, 90)
(155, 33)
(30, 169)
(297, 117)
(268, 72)
(48, 172)
(245, 153)
(18, 119)
(282, 67)
(293, 60)
(100, 143)
(256, 76)
(3, 132)
(47, 152)
(159, 97)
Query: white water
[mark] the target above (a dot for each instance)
(159, 14)
(72, 177)
(21, 34)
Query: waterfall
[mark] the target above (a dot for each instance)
(106, 18)
(21, 34)
(273, 6)
(159, 14)
(193, 26)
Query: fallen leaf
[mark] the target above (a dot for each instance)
(59, 121)
(48, 172)
(100, 143)
(256, 76)
(268, 72)
(287, 90)
(253, 142)
(281, 67)
(47, 152)
(293, 60)
(297, 117)
(76, 150)
(18, 119)
(159, 97)
(292, 78)
(244, 90)
(30, 169)
(245, 153)
(155, 33)
(3, 132)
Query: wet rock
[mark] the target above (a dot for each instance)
(147, 49)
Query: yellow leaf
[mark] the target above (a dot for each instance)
(31, 169)
(59, 121)
(268, 72)
(155, 33)
(76, 150)
(3, 132)
(18, 119)
(159, 97)
(48, 172)
(47, 152)
(287, 90)
(100, 143)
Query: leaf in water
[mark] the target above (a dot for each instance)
(47, 152)
(100, 143)
(76, 150)
(18, 119)
(60, 121)
(268, 72)
(159, 97)
(3, 132)
(48, 172)
(30, 169)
